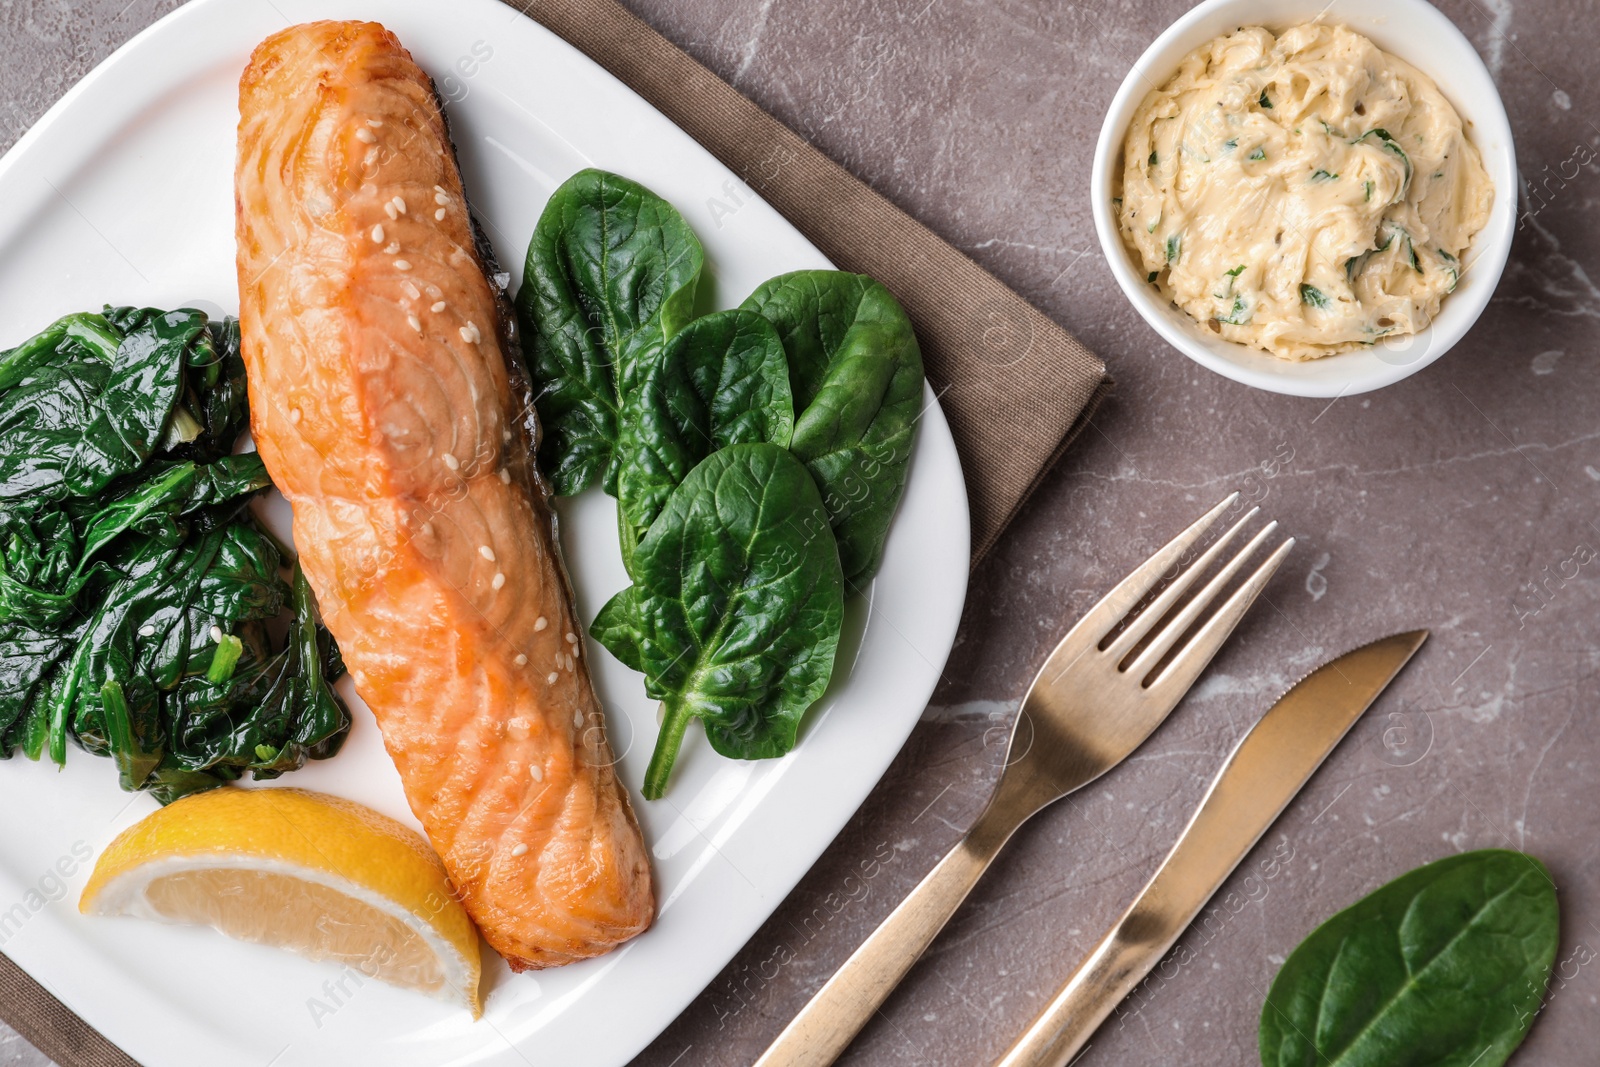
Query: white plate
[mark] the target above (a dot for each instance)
(123, 193)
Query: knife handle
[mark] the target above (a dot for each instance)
(825, 1027)
(1118, 963)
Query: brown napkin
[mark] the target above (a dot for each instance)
(1015, 386)
(53, 1029)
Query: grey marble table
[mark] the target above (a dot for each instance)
(1460, 500)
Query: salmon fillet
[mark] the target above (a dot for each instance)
(390, 408)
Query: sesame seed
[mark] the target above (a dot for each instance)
(376, 124)
(294, 416)
(440, 197)
(505, 476)
(414, 322)
(577, 718)
(427, 529)
(438, 188)
(438, 306)
(411, 290)
(486, 552)
(572, 638)
(434, 292)
(522, 850)
(438, 216)
(521, 660)
(377, 234)
(577, 651)
(518, 729)
(366, 136)
(498, 581)
(469, 333)
(147, 630)
(401, 264)
(540, 623)
(450, 461)
(216, 634)
(391, 248)
(536, 772)
(388, 209)
(370, 158)
(399, 205)
(552, 678)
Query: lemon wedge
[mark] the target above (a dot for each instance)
(320, 876)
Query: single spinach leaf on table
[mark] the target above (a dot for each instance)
(738, 601)
(1444, 966)
(610, 276)
(723, 380)
(856, 374)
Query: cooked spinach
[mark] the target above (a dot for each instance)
(137, 591)
(723, 380)
(738, 603)
(610, 277)
(856, 374)
(1446, 966)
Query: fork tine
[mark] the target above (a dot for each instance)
(1193, 657)
(1115, 605)
(1169, 634)
(1169, 596)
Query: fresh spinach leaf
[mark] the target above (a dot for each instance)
(1445, 966)
(610, 276)
(856, 374)
(615, 628)
(723, 380)
(738, 602)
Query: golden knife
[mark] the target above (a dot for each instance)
(1265, 771)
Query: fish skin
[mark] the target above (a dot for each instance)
(406, 454)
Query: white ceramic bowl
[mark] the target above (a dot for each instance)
(1413, 30)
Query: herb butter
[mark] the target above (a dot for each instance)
(1304, 194)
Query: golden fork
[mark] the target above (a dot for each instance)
(1095, 700)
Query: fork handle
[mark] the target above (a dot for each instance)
(826, 1026)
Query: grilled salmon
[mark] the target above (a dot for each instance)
(389, 403)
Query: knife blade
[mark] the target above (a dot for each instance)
(1262, 775)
